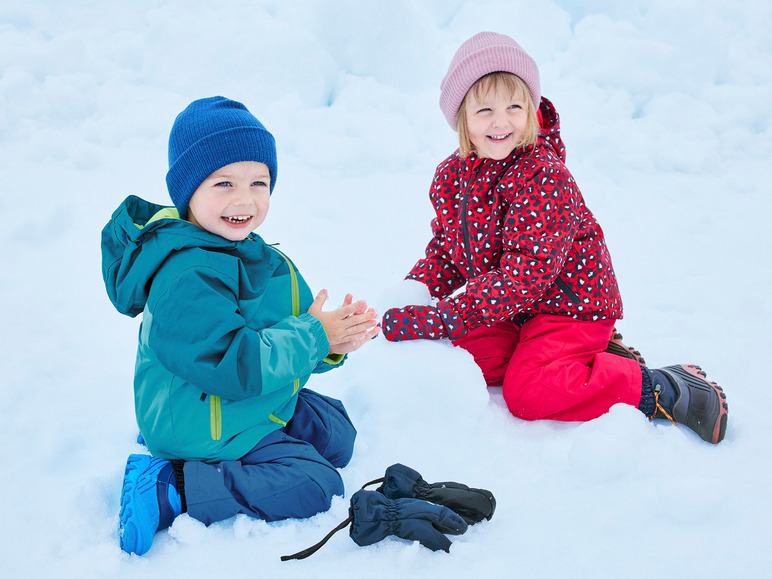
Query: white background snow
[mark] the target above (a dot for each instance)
(665, 108)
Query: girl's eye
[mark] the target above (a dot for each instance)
(515, 106)
(484, 110)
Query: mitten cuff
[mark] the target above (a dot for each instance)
(451, 319)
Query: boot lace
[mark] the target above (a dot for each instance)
(660, 408)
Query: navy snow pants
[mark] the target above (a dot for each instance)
(291, 473)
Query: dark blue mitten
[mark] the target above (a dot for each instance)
(375, 517)
(473, 505)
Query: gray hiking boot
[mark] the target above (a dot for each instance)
(685, 396)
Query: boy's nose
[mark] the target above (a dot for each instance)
(240, 194)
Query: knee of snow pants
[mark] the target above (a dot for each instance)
(281, 478)
(492, 348)
(561, 371)
(324, 423)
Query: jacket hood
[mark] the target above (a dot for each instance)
(137, 240)
(549, 122)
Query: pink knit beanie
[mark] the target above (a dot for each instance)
(482, 54)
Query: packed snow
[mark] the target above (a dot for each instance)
(666, 109)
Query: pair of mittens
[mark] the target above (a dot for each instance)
(406, 506)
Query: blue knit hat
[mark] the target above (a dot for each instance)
(208, 135)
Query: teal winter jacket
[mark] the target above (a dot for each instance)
(225, 342)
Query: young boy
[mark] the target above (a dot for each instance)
(229, 336)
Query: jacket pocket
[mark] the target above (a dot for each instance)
(215, 415)
(567, 291)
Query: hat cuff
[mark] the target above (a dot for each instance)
(213, 152)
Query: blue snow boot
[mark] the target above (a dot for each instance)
(684, 395)
(149, 501)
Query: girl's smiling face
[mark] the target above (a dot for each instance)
(496, 122)
(233, 201)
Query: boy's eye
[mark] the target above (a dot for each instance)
(259, 184)
(223, 184)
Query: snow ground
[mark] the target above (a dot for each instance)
(665, 108)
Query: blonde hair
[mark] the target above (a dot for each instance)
(492, 82)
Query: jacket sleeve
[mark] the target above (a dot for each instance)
(537, 237)
(199, 334)
(331, 362)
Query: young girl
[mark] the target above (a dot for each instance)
(540, 299)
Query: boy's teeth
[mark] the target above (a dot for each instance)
(237, 219)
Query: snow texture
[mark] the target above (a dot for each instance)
(666, 108)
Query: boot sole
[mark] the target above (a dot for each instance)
(616, 347)
(690, 376)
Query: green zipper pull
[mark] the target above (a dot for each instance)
(215, 417)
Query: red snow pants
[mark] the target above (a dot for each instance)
(554, 367)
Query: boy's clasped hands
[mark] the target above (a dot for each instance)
(347, 327)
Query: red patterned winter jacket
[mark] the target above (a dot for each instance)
(518, 234)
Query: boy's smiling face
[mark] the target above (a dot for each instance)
(233, 201)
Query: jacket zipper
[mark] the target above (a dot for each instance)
(295, 312)
(294, 281)
(465, 224)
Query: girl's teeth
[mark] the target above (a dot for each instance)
(499, 137)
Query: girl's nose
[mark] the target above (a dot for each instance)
(499, 118)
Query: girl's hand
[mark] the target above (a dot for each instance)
(349, 326)
(421, 323)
